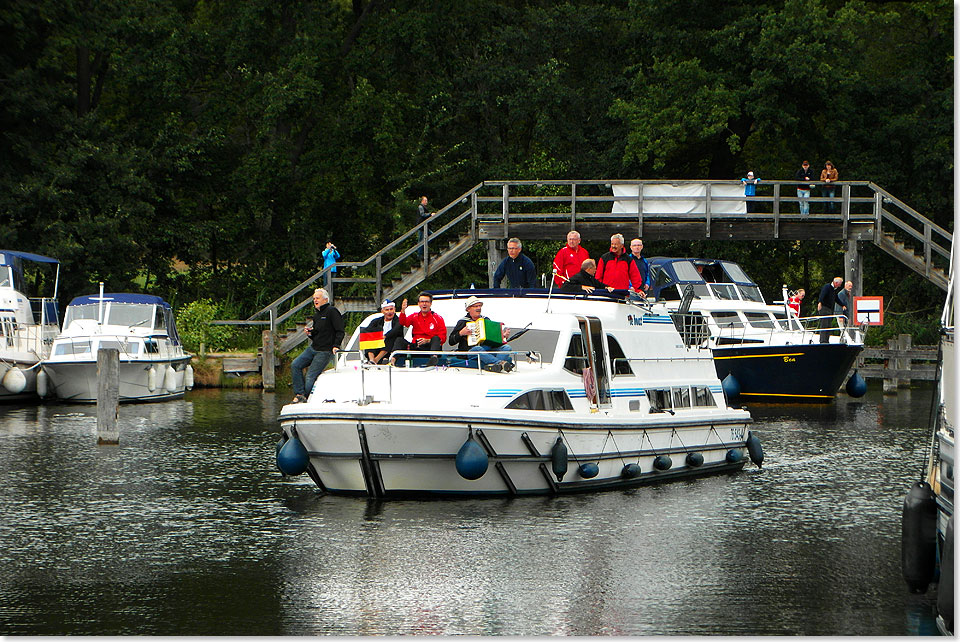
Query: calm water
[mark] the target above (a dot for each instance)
(188, 528)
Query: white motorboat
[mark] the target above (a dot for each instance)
(27, 325)
(604, 394)
(153, 365)
(927, 540)
(763, 352)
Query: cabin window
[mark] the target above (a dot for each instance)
(727, 320)
(150, 345)
(74, 347)
(726, 291)
(750, 293)
(158, 322)
(735, 272)
(681, 397)
(659, 399)
(759, 319)
(621, 366)
(542, 400)
(702, 396)
(686, 271)
(576, 356)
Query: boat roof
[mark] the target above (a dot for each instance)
(124, 297)
(38, 258)
(675, 269)
(525, 293)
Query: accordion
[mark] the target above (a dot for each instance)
(484, 332)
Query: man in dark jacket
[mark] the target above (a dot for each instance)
(805, 176)
(488, 353)
(584, 280)
(517, 267)
(825, 303)
(326, 335)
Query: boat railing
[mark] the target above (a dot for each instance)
(809, 331)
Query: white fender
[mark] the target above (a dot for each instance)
(151, 378)
(14, 381)
(170, 379)
(188, 377)
(42, 381)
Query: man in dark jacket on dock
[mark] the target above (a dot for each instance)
(584, 280)
(326, 335)
(825, 303)
(517, 267)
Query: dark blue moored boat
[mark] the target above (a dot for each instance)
(763, 352)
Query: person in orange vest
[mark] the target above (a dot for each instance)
(617, 268)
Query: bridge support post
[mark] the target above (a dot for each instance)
(267, 370)
(494, 256)
(853, 267)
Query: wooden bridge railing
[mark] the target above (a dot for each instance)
(496, 210)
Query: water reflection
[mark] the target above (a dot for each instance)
(187, 528)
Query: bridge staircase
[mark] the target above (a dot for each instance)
(656, 210)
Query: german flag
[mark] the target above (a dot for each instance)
(371, 340)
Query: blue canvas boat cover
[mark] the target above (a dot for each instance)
(147, 299)
(28, 256)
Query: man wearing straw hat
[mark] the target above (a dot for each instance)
(487, 352)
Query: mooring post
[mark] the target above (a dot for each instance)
(108, 395)
(267, 371)
(906, 344)
(890, 383)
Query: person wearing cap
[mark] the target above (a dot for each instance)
(489, 355)
(805, 176)
(749, 190)
(392, 331)
(429, 330)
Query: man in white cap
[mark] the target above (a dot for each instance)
(391, 329)
(489, 355)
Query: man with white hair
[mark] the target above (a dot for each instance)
(617, 268)
(326, 335)
(569, 259)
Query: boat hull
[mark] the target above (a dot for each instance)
(77, 381)
(377, 456)
(809, 373)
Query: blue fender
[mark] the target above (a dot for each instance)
(472, 460)
(292, 458)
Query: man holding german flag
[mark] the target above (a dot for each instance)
(383, 335)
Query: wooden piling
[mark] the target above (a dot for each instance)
(108, 395)
(267, 370)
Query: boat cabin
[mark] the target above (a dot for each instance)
(132, 323)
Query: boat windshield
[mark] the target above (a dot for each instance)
(130, 314)
(725, 291)
(6, 276)
(86, 311)
(686, 271)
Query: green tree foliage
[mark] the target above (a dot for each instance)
(233, 138)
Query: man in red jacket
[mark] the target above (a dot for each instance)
(569, 259)
(429, 330)
(616, 268)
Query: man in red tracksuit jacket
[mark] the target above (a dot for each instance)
(429, 330)
(617, 269)
(569, 259)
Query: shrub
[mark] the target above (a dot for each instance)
(193, 325)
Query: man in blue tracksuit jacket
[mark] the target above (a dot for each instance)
(517, 267)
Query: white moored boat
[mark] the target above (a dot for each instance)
(27, 326)
(153, 365)
(605, 394)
